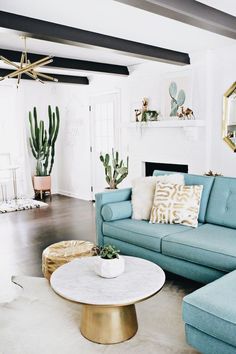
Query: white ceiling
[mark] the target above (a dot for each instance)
(228, 6)
(115, 19)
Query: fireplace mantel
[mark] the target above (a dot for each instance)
(190, 126)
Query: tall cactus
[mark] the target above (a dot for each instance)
(178, 101)
(115, 170)
(42, 142)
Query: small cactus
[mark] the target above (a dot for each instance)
(42, 142)
(115, 170)
(178, 101)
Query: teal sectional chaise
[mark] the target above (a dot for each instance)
(206, 254)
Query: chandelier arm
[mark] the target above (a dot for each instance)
(6, 61)
(47, 77)
(41, 62)
(21, 66)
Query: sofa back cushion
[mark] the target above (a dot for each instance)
(190, 179)
(222, 203)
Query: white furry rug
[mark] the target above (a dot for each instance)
(21, 204)
(38, 321)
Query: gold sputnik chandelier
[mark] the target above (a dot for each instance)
(28, 68)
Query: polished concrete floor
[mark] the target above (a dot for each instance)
(25, 234)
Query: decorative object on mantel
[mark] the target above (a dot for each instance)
(177, 100)
(20, 204)
(177, 96)
(211, 173)
(115, 170)
(144, 114)
(109, 264)
(229, 117)
(42, 143)
(185, 113)
(28, 68)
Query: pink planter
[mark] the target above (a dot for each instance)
(42, 183)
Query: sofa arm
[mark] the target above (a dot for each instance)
(117, 211)
(101, 199)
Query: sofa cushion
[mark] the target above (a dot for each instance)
(176, 204)
(140, 232)
(116, 211)
(222, 203)
(143, 190)
(210, 245)
(212, 309)
(190, 179)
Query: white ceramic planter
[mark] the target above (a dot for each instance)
(109, 268)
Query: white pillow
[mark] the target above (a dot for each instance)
(143, 190)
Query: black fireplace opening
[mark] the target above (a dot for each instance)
(152, 166)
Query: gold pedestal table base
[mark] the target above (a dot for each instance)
(108, 325)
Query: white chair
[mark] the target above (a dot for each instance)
(5, 174)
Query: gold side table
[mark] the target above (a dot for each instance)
(63, 252)
(108, 305)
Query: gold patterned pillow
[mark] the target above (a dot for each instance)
(176, 204)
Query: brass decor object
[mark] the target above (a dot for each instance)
(63, 252)
(28, 68)
(229, 117)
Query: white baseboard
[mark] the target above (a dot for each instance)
(72, 195)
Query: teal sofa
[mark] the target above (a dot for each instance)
(206, 254)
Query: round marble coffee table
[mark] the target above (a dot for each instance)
(108, 310)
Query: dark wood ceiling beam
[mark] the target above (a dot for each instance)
(66, 63)
(79, 80)
(55, 32)
(191, 12)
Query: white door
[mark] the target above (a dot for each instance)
(105, 134)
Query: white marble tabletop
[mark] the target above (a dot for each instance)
(78, 282)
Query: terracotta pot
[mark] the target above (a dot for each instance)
(42, 183)
(109, 268)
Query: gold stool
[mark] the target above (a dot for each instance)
(63, 252)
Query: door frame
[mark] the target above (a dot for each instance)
(117, 132)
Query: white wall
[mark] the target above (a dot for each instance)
(212, 74)
(221, 75)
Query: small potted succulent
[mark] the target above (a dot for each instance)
(109, 264)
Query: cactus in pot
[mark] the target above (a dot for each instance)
(177, 100)
(42, 142)
(115, 171)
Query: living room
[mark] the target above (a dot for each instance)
(141, 97)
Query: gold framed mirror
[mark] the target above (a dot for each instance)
(229, 117)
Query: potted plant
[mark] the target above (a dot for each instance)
(42, 143)
(109, 264)
(115, 170)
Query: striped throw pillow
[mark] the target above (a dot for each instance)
(176, 204)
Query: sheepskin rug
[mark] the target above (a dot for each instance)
(37, 321)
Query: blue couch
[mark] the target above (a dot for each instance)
(205, 254)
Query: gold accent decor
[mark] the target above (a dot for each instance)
(229, 117)
(28, 68)
(108, 325)
(63, 252)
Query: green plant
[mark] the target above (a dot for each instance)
(115, 170)
(106, 252)
(178, 101)
(149, 116)
(42, 142)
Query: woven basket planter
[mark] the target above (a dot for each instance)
(63, 252)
